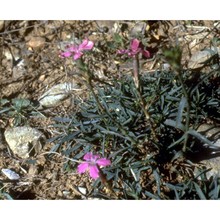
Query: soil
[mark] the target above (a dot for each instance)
(30, 64)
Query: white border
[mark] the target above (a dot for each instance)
(108, 210)
(109, 10)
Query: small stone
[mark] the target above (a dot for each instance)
(66, 193)
(19, 70)
(24, 140)
(202, 58)
(138, 29)
(10, 174)
(36, 42)
(42, 78)
(57, 94)
(211, 132)
(166, 67)
(214, 164)
(82, 190)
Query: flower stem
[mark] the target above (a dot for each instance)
(105, 182)
(144, 106)
(179, 75)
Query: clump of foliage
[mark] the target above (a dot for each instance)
(151, 157)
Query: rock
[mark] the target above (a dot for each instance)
(217, 49)
(202, 58)
(105, 26)
(82, 190)
(138, 29)
(212, 164)
(166, 67)
(57, 94)
(36, 42)
(213, 134)
(24, 141)
(11, 174)
(2, 25)
(66, 193)
(19, 70)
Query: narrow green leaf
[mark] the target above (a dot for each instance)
(201, 137)
(182, 104)
(199, 191)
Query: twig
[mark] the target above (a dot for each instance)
(48, 152)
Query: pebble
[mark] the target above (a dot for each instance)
(212, 133)
(82, 190)
(138, 29)
(55, 95)
(10, 174)
(201, 58)
(36, 42)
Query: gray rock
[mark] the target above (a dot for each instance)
(12, 175)
(202, 58)
(213, 134)
(166, 67)
(214, 164)
(57, 94)
(24, 141)
(217, 49)
(138, 29)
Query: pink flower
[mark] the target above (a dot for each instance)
(93, 162)
(135, 48)
(77, 51)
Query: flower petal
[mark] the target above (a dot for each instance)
(74, 49)
(86, 45)
(88, 156)
(82, 167)
(94, 171)
(146, 53)
(103, 162)
(91, 157)
(77, 55)
(134, 45)
(66, 54)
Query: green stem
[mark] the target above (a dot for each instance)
(144, 106)
(187, 109)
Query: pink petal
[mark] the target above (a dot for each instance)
(86, 45)
(103, 162)
(66, 54)
(91, 157)
(146, 53)
(88, 156)
(94, 171)
(82, 167)
(89, 46)
(74, 49)
(77, 55)
(134, 45)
